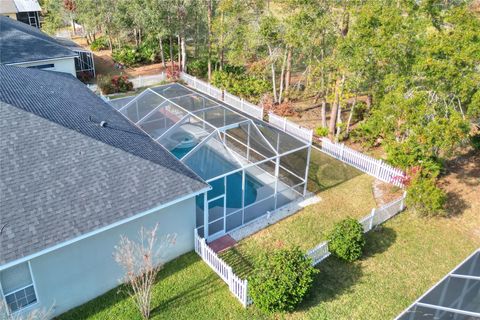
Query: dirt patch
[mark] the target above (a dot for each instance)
(385, 192)
(462, 185)
(104, 64)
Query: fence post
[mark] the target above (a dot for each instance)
(245, 293)
(379, 166)
(342, 150)
(230, 279)
(402, 204)
(284, 124)
(371, 219)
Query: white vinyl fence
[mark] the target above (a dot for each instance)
(236, 285)
(375, 218)
(223, 95)
(290, 127)
(374, 167)
(138, 82)
(146, 81)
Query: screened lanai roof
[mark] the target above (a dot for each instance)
(200, 130)
(457, 296)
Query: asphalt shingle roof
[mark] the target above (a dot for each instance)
(63, 175)
(20, 42)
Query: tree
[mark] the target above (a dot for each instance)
(141, 263)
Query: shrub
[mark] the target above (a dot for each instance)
(100, 43)
(346, 240)
(243, 85)
(425, 198)
(281, 280)
(475, 141)
(114, 84)
(127, 56)
(321, 131)
(198, 68)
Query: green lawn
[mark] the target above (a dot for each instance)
(404, 257)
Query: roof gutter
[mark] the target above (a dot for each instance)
(43, 60)
(100, 230)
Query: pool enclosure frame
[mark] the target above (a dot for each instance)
(230, 150)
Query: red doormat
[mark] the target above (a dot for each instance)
(222, 243)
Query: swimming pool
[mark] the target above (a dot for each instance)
(179, 153)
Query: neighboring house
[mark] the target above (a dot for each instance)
(75, 175)
(26, 11)
(24, 46)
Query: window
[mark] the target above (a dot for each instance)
(17, 287)
(43, 66)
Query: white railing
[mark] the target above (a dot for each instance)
(145, 81)
(237, 286)
(290, 127)
(319, 253)
(223, 95)
(376, 217)
(374, 167)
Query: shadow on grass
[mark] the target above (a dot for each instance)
(326, 172)
(455, 205)
(337, 277)
(242, 265)
(378, 241)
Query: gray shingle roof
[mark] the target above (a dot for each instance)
(20, 42)
(62, 175)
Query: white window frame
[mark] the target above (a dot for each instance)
(27, 307)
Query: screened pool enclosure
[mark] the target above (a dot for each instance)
(253, 168)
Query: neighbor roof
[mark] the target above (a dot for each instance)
(457, 296)
(20, 43)
(27, 5)
(7, 6)
(62, 175)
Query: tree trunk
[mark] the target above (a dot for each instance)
(184, 54)
(324, 112)
(335, 107)
(222, 49)
(274, 85)
(351, 114)
(282, 75)
(288, 73)
(172, 63)
(209, 38)
(178, 52)
(162, 56)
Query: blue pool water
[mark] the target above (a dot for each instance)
(181, 152)
(234, 190)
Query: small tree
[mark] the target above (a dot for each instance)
(281, 280)
(346, 241)
(141, 263)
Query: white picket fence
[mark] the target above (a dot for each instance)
(375, 218)
(145, 81)
(138, 82)
(237, 286)
(374, 167)
(223, 95)
(290, 127)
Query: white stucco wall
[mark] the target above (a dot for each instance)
(79, 272)
(66, 65)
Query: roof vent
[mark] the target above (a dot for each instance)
(103, 123)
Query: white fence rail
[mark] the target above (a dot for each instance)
(319, 253)
(223, 95)
(290, 127)
(375, 218)
(374, 167)
(236, 285)
(145, 81)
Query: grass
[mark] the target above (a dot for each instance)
(403, 258)
(308, 227)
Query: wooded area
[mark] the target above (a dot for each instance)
(406, 71)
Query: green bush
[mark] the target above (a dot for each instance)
(475, 141)
(425, 198)
(321, 131)
(127, 56)
(100, 43)
(243, 85)
(281, 280)
(114, 84)
(346, 240)
(198, 68)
